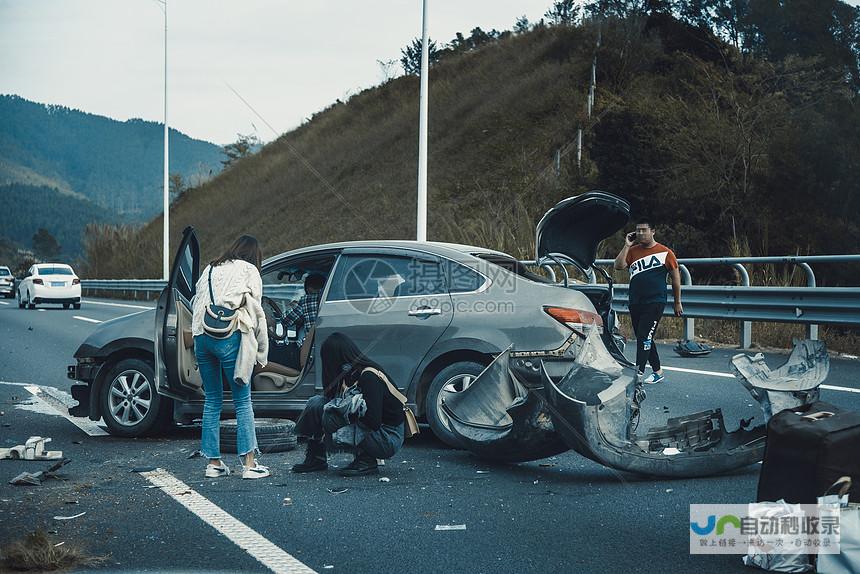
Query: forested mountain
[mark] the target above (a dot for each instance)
(116, 165)
(734, 124)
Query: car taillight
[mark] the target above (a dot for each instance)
(574, 318)
(38, 282)
(76, 281)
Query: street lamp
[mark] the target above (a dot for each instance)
(165, 269)
(422, 134)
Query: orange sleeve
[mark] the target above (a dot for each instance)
(671, 261)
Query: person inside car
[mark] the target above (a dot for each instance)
(303, 312)
(357, 403)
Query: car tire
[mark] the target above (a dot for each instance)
(30, 304)
(66, 305)
(450, 379)
(20, 301)
(76, 305)
(273, 435)
(133, 378)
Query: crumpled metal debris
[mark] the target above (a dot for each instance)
(36, 478)
(529, 405)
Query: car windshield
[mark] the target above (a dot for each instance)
(512, 265)
(55, 271)
(4, 272)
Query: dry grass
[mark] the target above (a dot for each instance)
(36, 552)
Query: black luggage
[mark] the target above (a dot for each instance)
(807, 450)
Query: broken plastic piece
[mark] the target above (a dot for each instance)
(384, 479)
(450, 527)
(33, 449)
(70, 517)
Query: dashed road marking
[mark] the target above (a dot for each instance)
(91, 302)
(243, 536)
(59, 401)
(87, 319)
(730, 376)
(4, 303)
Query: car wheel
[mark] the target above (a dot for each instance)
(130, 405)
(30, 304)
(20, 301)
(273, 435)
(76, 305)
(452, 379)
(65, 305)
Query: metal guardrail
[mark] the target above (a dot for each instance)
(284, 290)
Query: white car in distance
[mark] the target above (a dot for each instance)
(49, 283)
(7, 282)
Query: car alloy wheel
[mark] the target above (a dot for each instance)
(454, 378)
(129, 397)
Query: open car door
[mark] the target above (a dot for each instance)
(176, 373)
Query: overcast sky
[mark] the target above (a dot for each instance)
(287, 58)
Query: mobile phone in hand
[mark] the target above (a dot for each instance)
(631, 236)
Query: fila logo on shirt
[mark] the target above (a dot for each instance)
(647, 262)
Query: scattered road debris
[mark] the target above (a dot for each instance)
(339, 490)
(384, 479)
(36, 478)
(288, 501)
(70, 517)
(33, 449)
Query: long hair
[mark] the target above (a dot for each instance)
(341, 361)
(245, 248)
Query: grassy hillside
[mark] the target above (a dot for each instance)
(729, 151)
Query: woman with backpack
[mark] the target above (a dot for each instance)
(376, 427)
(229, 329)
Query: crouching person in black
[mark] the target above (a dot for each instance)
(357, 407)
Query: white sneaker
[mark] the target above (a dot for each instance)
(216, 471)
(256, 471)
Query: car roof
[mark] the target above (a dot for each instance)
(435, 247)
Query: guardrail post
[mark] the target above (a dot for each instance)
(811, 330)
(746, 326)
(689, 322)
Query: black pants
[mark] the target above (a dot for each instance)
(381, 443)
(645, 318)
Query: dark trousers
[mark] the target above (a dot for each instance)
(383, 442)
(645, 318)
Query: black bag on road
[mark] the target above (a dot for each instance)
(807, 450)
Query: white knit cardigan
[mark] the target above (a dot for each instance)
(233, 282)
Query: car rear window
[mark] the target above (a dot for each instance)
(54, 271)
(4, 272)
(514, 266)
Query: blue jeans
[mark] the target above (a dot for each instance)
(216, 358)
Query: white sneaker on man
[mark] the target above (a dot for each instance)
(256, 471)
(216, 470)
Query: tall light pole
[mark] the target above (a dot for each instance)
(422, 134)
(165, 268)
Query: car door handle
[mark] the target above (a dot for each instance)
(424, 312)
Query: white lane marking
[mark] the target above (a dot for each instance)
(834, 388)
(4, 303)
(60, 404)
(730, 376)
(267, 553)
(87, 319)
(40, 310)
(697, 372)
(91, 302)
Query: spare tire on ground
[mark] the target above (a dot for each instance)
(273, 435)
